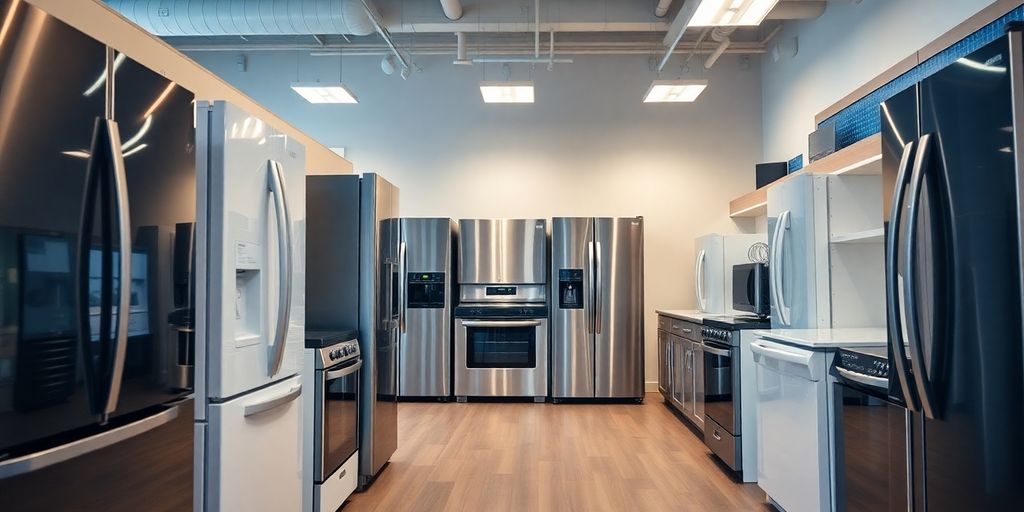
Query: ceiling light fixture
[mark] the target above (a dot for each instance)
(731, 13)
(507, 92)
(324, 92)
(674, 91)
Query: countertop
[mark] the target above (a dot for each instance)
(828, 338)
(689, 315)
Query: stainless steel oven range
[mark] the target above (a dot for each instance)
(337, 363)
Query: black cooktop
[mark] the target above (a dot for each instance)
(323, 339)
(736, 322)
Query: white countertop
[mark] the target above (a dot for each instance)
(690, 315)
(828, 338)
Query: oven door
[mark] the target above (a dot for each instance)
(501, 343)
(718, 386)
(338, 419)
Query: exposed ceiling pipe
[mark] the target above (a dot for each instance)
(676, 31)
(662, 8)
(452, 9)
(245, 17)
(461, 55)
(384, 34)
(797, 10)
(720, 35)
(536, 29)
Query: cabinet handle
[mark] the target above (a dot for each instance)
(716, 435)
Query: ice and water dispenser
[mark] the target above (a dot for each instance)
(570, 288)
(426, 290)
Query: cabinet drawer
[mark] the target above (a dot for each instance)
(688, 330)
(725, 446)
(664, 322)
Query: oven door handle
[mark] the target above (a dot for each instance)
(343, 372)
(860, 378)
(711, 349)
(501, 323)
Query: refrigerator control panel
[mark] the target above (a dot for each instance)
(570, 288)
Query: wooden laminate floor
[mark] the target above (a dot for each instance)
(570, 457)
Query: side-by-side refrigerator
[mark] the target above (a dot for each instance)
(250, 322)
(952, 149)
(96, 174)
(597, 308)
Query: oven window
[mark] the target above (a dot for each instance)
(341, 421)
(501, 347)
(718, 401)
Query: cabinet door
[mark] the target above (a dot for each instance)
(688, 390)
(678, 365)
(664, 363)
(697, 367)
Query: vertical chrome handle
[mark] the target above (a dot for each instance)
(403, 283)
(908, 287)
(591, 294)
(699, 277)
(125, 264)
(894, 304)
(276, 187)
(598, 290)
(783, 307)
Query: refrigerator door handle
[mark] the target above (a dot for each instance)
(273, 402)
(591, 289)
(907, 288)
(780, 236)
(276, 187)
(402, 285)
(699, 277)
(39, 460)
(895, 304)
(598, 287)
(124, 264)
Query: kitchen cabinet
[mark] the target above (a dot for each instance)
(681, 367)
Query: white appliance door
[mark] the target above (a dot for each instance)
(709, 274)
(255, 188)
(792, 256)
(254, 450)
(792, 425)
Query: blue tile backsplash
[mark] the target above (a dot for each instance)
(861, 119)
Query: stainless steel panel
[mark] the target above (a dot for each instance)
(572, 337)
(619, 337)
(725, 446)
(378, 326)
(501, 382)
(425, 342)
(477, 293)
(495, 251)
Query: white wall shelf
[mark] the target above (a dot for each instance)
(868, 236)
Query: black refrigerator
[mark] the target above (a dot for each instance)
(97, 188)
(951, 172)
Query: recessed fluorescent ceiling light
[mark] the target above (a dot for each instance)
(323, 92)
(507, 92)
(674, 91)
(722, 13)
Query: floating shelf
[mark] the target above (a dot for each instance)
(870, 236)
(864, 157)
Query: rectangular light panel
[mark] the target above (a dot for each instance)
(674, 91)
(507, 92)
(323, 92)
(731, 13)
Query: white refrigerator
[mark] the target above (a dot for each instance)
(714, 257)
(798, 253)
(250, 324)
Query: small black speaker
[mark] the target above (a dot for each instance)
(769, 172)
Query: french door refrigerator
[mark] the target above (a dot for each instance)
(356, 268)
(425, 320)
(251, 241)
(951, 165)
(597, 308)
(90, 196)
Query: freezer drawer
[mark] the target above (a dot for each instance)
(253, 450)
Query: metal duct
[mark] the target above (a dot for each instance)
(797, 10)
(662, 8)
(720, 35)
(246, 17)
(452, 9)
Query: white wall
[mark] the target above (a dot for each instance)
(843, 49)
(588, 146)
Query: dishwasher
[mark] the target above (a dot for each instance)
(793, 466)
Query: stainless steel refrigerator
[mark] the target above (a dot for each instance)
(354, 273)
(91, 197)
(597, 308)
(952, 167)
(425, 323)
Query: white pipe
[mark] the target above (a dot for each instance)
(460, 49)
(536, 29)
(720, 34)
(452, 9)
(662, 8)
(514, 60)
(551, 50)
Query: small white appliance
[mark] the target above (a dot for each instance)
(251, 258)
(714, 257)
(794, 444)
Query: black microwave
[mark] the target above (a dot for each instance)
(750, 289)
